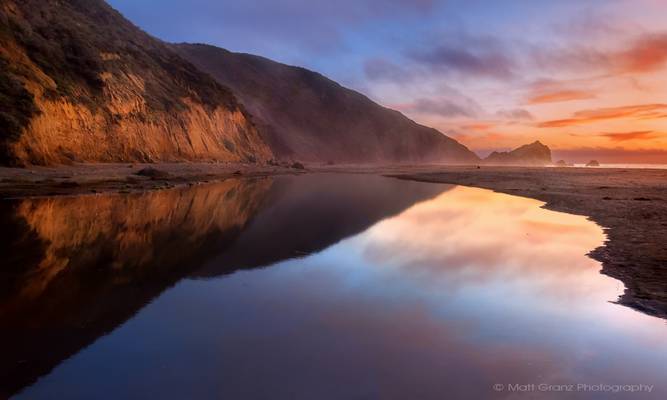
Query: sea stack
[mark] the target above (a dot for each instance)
(535, 153)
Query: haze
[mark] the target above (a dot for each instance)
(586, 78)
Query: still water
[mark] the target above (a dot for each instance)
(314, 287)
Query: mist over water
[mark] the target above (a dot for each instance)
(630, 166)
(320, 286)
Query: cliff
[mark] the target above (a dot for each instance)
(78, 82)
(535, 153)
(305, 116)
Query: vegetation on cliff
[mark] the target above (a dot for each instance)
(80, 60)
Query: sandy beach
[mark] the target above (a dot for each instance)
(630, 204)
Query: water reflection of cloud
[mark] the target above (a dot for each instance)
(506, 255)
(468, 236)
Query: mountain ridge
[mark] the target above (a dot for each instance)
(81, 83)
(305, 115)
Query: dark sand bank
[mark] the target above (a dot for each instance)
(101, 178)
(631, 204)
(127, 177)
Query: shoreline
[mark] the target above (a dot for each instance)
(82, 179)
(629, 204)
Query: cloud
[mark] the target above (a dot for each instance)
(647, 53)
(596, 23)
(440, 107)
(484, 143)
(378, 69)
(626, 136)
(643, 53)
(480, 126)
(570, 57)
(470, 56)
(515, 114)
(643, 111)
(553, 91)
(559, 96)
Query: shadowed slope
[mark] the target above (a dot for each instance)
(305, 116)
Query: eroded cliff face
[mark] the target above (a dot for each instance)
(93, 87)
(65, 132)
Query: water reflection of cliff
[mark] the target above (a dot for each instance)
(305, 215)
(80, 266)
(75, 268)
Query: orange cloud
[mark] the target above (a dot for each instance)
(625, 136)
(491, 137)
(648, 53)
(560, 95)
(478, 127)
(611, 155)
(642, 111)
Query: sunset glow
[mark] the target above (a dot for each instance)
(586, 78)
(315, 199)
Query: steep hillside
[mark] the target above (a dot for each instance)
(78, 82)
(535, 153)
(305, 116)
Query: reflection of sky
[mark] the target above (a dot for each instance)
(455, 294)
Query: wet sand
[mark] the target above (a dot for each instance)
(631, 204)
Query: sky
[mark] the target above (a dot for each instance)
(587, 78)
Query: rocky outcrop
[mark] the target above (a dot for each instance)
(305, 116)
(535, 153)
(81, 83)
